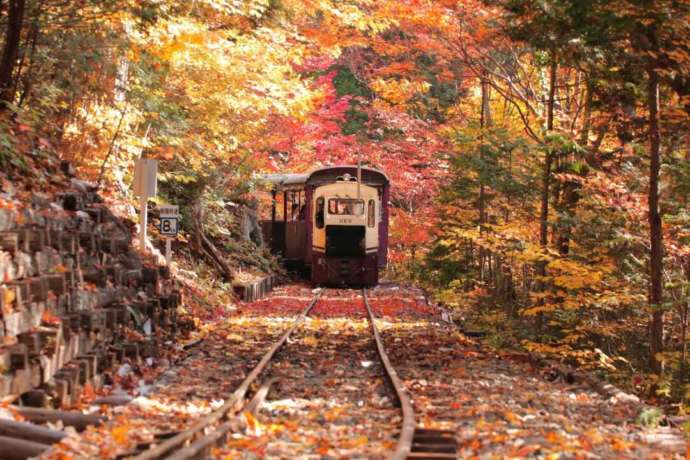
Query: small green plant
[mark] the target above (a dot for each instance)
(650, 417)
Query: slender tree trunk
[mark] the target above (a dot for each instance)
(571, 189)
(546, 175)
(656, 326)
(684, 332)
(483, 122)
(27, 77)
(15, 21)
(557, 166)
(684, 314)
(546, 183)
(587, 116)
(111, 149)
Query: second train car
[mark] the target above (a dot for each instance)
(333, 224)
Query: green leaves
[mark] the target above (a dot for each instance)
(650, 417)
(346, 84)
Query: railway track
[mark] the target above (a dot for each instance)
(213, 429)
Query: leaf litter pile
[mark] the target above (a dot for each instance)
(194, 387)
(500, 407)
(328, 398)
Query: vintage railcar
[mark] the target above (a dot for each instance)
(333, 225)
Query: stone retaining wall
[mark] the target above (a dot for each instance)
(73, 291)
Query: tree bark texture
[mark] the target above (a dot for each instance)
(484, 121)
(656, 326)
(546, 176)
(15, 21)
(546, 183)
(570, 195)
(206, 246)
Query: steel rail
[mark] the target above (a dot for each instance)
(234, 404)
(404, 445)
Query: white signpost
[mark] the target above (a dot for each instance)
(170, 220)
(145, 187)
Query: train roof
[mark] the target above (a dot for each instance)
(325, 175)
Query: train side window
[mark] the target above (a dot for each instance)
(319, 218)
(371, 214)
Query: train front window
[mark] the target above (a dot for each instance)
(345, 206)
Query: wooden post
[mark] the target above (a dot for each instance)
(145, 186)
(168, 250)
(285, 206)
(359, 173)
(143, 216)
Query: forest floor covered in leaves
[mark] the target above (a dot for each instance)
(329, 398)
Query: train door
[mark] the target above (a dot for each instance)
(295, 225)
(372, 224)
(319, 229)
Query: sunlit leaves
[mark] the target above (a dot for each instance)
(399, 91)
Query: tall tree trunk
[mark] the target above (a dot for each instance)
(571, 189)
(484, 121)
(587, 116)
(684, 332)
(546, 183)
(656, 326)
(27, 77)
(558, 166)
(15, 21)
(546, 175)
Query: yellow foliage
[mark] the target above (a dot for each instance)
(399, 91)
(120, 434)
(571, 274)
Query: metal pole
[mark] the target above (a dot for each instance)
(143, 214)
(359, 173)
(168, 250)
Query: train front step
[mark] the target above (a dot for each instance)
(339, 271)
(345, 269)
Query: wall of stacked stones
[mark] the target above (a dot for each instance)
(73, 290)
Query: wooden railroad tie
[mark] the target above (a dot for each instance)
(429, 444)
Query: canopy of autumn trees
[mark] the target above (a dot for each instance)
(538, 150)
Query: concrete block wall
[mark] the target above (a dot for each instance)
(255, 290)
(72, 290)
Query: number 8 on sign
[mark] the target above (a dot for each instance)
(169, 226)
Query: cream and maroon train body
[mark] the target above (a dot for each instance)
(332, 225)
